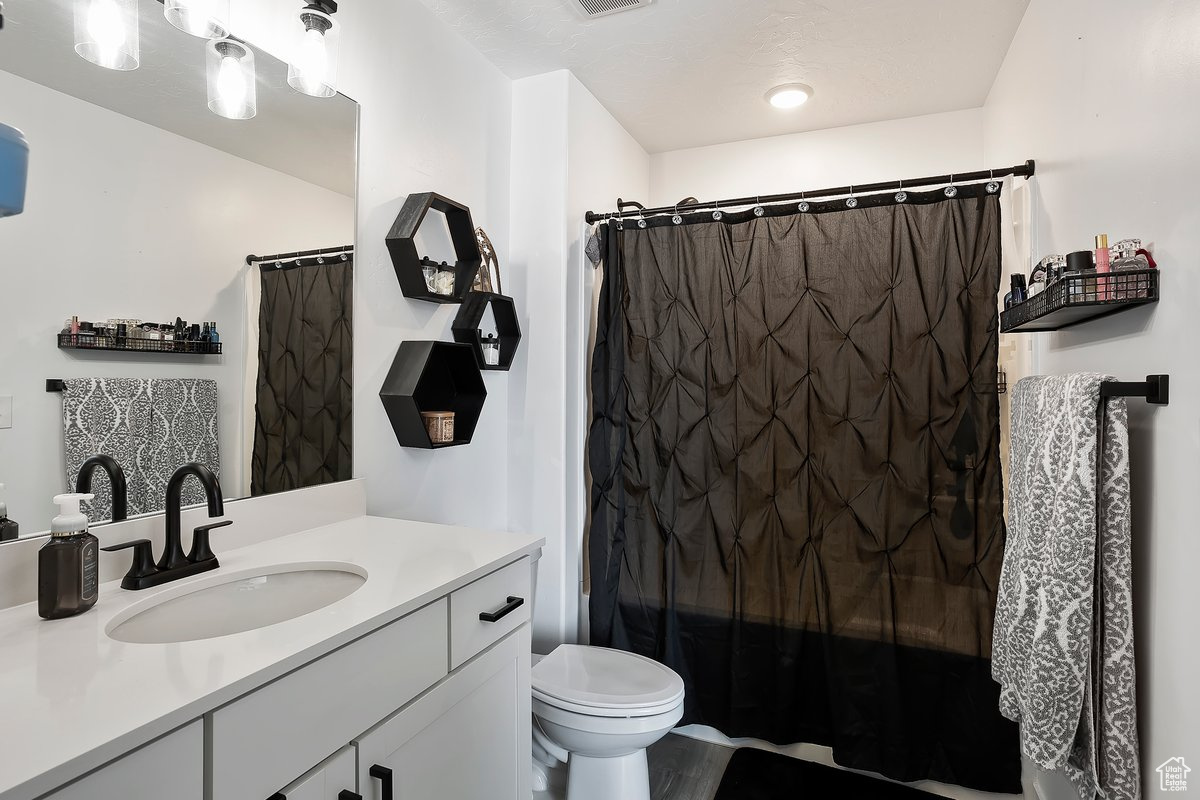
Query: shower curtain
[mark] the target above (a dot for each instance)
(796, 497)
(302, 416)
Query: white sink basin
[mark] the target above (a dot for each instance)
(226, 604)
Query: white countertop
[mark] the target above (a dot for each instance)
(72, 699)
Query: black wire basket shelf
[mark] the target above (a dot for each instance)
(75, 341)
(1073, 299)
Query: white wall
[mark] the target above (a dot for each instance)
(123, 219)
(880, 151)
(1104, 94)
(569, 155)
(435, 117)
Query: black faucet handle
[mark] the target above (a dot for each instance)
(143, 560)
(200, 548)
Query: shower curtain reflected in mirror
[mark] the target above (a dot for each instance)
(303, 410)
(796, 497)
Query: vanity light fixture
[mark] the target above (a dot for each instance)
(789, 95)
(312, 69)
(231, 81)
(106, 33)
(208, 19)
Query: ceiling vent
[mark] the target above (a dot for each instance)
(602, 8)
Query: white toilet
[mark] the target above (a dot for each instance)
(598, 710)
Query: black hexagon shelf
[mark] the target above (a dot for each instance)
(401, 243)
(433, 376)
(508, 329)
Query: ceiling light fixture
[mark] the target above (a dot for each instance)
(231, 82)
(312, 70)
(208, 19)
(106, 33)
(789, 95)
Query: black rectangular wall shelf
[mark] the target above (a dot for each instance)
(401, 244)
(1077, 298)
(433, 376)
(69, 341)
(508, 330)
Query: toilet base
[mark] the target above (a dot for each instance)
(626, 777)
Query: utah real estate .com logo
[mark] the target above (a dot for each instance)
(1172, 775)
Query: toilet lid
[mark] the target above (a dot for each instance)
(598, 677)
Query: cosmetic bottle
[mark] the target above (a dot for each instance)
(1128, 258)
(87, 335)
(1103, 268)
(68, 565)
(8, 529)
(214, 337)
(1079, 265)
(1019, 293)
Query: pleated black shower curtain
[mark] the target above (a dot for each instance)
(796, 491)
(303, 414)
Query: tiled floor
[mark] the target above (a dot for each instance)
(680, 769)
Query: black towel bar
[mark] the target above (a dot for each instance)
(1156, 389)
(56, 385)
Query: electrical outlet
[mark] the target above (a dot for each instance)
(5, 411)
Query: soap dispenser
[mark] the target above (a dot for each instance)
(68, 565)
(8, 528)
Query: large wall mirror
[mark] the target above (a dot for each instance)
(141, 210)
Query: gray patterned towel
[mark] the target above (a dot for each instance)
(1063, 640)
(150, 426)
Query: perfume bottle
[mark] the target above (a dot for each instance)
(1129, 286)
(1103, 268)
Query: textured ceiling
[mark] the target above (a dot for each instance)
(685, 73)
(314, 139)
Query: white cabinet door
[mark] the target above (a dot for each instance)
(325, 782)
(467, 739)
(172, 766)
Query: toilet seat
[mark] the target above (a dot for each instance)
(601, 682)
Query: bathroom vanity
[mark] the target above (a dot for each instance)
(415, 684)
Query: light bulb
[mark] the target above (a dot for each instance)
(792, 95)
(312, 62)
(231, 86)
(106, 29)
(201, 18)
(199, 12)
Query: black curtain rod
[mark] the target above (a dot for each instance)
(349, 249)
(1025, 170)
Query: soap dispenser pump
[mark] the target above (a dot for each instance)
(8, 528)
(68, 565)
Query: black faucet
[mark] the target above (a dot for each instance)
(173, 565)
(173, 556)
(116, 476)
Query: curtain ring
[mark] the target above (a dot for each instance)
(676, 219)
(851, 201)
(901, 195)
(758, 209)
(950, 190)
(620, 218)
(716, 215)
(804, 206)
(992, 186)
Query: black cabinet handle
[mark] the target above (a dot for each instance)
(512, 605)
(384, 775)
(346, 794)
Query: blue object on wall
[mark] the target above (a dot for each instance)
(14, 170)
